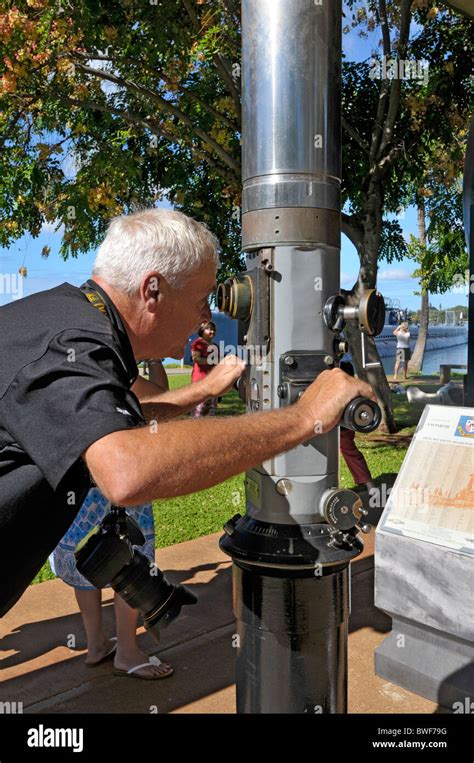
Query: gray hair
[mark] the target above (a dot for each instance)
(154, 239)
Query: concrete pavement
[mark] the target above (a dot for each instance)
(42, 647)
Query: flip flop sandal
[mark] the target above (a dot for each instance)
(110, 654)
(153, 660)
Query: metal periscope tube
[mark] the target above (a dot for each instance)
(291, 550)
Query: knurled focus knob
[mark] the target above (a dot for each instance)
(361, 415)
(341, 508)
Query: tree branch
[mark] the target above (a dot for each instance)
(385, 28)
(385, 163)
(58, 144)
(127, 116)
(210, 109)
(395, 89)
(218, 60)
(221, 64)
(377, 132)
(132, 62)
(353, 231)
(133, 118)
(166, 106)
(355, 135)
(192, 15)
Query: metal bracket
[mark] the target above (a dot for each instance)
(298, 369)
(373, 364)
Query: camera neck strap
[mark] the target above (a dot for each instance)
(98, 299)
(95, 299)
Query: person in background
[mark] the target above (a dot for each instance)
(201, 349)
(354, 459)
(129, 660)
(403, 353)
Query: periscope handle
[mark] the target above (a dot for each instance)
(361, 415)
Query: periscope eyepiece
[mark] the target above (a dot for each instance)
(235, 297)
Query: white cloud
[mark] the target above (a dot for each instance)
(51, 227)
(394, 274)
(346, 277)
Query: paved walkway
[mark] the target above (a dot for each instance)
(174, 371)
(39, 669)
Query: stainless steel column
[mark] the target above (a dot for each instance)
(291, 152)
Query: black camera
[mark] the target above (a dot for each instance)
(107, 556)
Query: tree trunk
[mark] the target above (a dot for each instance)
(416, 362)
(368, 254)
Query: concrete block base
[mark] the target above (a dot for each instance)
(435, 665)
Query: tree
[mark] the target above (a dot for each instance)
(416, 361)
(141, 101)
(439, 252)
(392, 126)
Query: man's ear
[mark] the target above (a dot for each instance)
(151, 288)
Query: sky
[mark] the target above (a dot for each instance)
(394, 281)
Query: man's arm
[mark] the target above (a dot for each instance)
(144, 388)
(162, 406)
(138, 465)
(157, 375)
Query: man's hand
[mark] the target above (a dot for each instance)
(325, 399)
(223, 376)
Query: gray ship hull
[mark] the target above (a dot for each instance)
(439, 337)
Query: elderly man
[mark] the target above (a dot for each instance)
(68, 417)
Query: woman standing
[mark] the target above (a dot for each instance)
(403, 353)
(202, 352)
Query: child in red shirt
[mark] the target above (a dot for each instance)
(204, 355)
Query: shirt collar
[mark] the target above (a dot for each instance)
(117, 322)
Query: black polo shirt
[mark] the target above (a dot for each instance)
(66, 369)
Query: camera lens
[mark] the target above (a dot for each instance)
(144, 587)
(106, 558)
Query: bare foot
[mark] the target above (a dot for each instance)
(137, 657)
(97, 652)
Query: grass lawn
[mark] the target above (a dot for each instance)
(191, 516)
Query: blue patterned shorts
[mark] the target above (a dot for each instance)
(92, 511)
